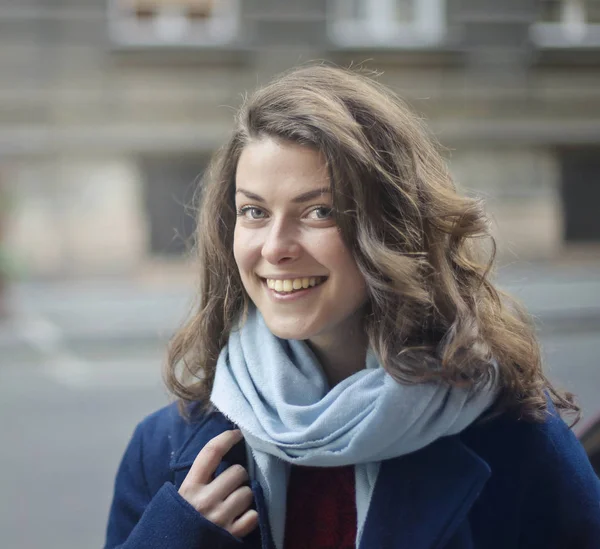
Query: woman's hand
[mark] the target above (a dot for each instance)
(227, 499)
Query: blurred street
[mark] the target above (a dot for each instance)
(80, 366)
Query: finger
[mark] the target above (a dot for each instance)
(210, 456)
(228, 481)
(225, 513)
(237, 503)
(245, 524)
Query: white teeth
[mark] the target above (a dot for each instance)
(289, 285)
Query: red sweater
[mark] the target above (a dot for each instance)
(321, 508)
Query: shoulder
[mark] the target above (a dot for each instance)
(559, 466)
(548, 447)
(166, 421)
(539, 471)
(169, 420)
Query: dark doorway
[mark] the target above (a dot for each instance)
(170, 184)
(581, 194)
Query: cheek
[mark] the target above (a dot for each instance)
(239, 250)
(332, 251)
(245, 251)
(341, 260)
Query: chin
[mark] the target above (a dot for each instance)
(289, 330)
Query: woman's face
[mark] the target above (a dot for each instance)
(290, 254)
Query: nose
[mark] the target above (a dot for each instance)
(280, 245)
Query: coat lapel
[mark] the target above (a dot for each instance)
(421, 499)
(206, 429)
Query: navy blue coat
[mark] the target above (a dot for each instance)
(499, 485)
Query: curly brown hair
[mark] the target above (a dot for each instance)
(433, 312)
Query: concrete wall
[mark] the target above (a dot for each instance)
(520, 189)
(78, 114)
(78, 215)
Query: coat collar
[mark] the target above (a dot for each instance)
(419, 499)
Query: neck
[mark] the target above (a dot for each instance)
(342, 353)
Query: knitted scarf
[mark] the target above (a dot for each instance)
(275, 391)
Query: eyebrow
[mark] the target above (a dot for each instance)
(304, 197)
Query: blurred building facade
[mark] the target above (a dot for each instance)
(110, 110)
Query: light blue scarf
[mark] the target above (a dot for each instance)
(278, 395)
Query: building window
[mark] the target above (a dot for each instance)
(387, 23)
(173, 22)
(567, 23)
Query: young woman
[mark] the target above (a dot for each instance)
(351, 377)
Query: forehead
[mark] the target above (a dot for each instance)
(269, 166)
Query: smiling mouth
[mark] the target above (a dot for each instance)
(290, 285)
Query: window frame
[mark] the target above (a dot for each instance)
(132, 31)
(573, 30)
(428, 29)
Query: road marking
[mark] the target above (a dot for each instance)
(63, 366)
(69, 370)
(58, 362)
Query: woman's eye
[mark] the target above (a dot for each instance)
(251, 212)
(322, 212)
